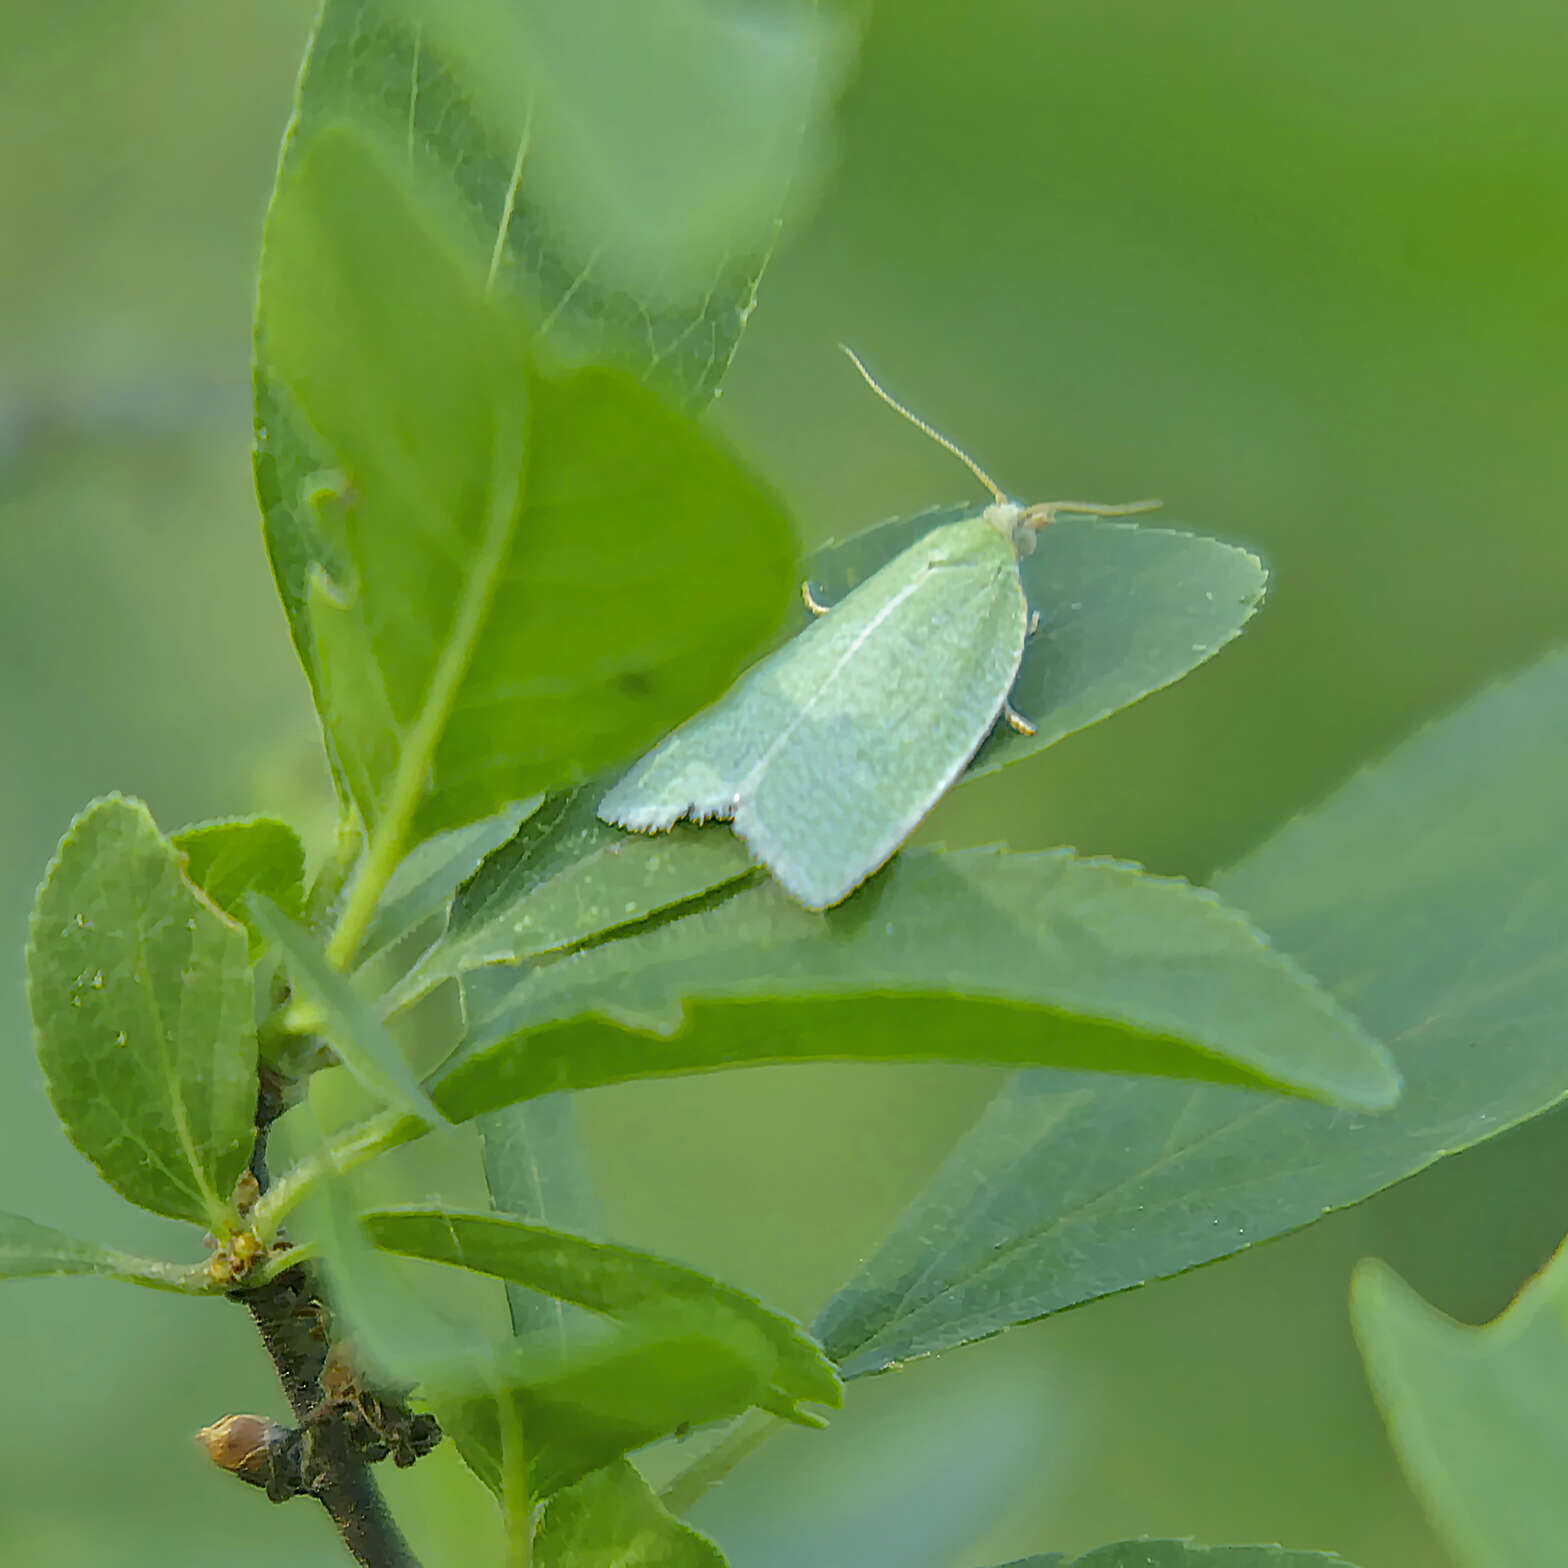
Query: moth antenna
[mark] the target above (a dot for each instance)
(920, 424)
(1047, 512)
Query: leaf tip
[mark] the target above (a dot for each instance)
(1379, 1085)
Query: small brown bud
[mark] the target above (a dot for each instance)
(242, 1445)
(245, 1250)
(234, 1259)
(246, 1191)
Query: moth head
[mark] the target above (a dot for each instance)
(1014, 523)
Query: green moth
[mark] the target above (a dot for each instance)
(826, 755)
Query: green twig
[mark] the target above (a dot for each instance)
(517, 1509)
(353, 1148)
(335, 871)
(743, 1437)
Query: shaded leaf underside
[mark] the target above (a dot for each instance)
(1426, 897)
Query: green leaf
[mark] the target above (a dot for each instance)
(498, 595)
(141, 998)
(1478, 1415)
(565, 877)
(662, 141)
(1124, 610)
(536, 1166)
(980, 956)
(398, 1331)
(344, 1017)
(1426, 896)
(616, 1281)
(29, 1250)
(241, 855)
(537, 1170)
(582, 1399)
(426, 881)
(577, 137)
(1183, 1554)
(585, 1407)
(611, 1519)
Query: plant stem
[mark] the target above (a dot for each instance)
(360, 1143)
(386, 849)
(744, 1437)
(335, 871)
(356, 1506)
(287, 1311)
(284, 1313)
(280, 1263)
(519, 1543)
(516, 1505)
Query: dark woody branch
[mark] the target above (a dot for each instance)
(343, 1422)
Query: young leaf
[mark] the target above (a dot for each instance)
(616, 1281)
(1183, 1554)
(348, 1021)
(611, 1519)
(566, 877)
(242, 855)
(141, 997)
(1424, 895)
(484, 599)
(980, 956)
(1477, 1414)
(29, 1250)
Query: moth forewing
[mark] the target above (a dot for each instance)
(704, 768)
(692, 772)
(911, 692)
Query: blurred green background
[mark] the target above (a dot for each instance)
(1296, 267)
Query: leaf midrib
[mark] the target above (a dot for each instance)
(440, 700)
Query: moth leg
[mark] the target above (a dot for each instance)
(1034, 623)
(1017, 720)
(811, 603)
